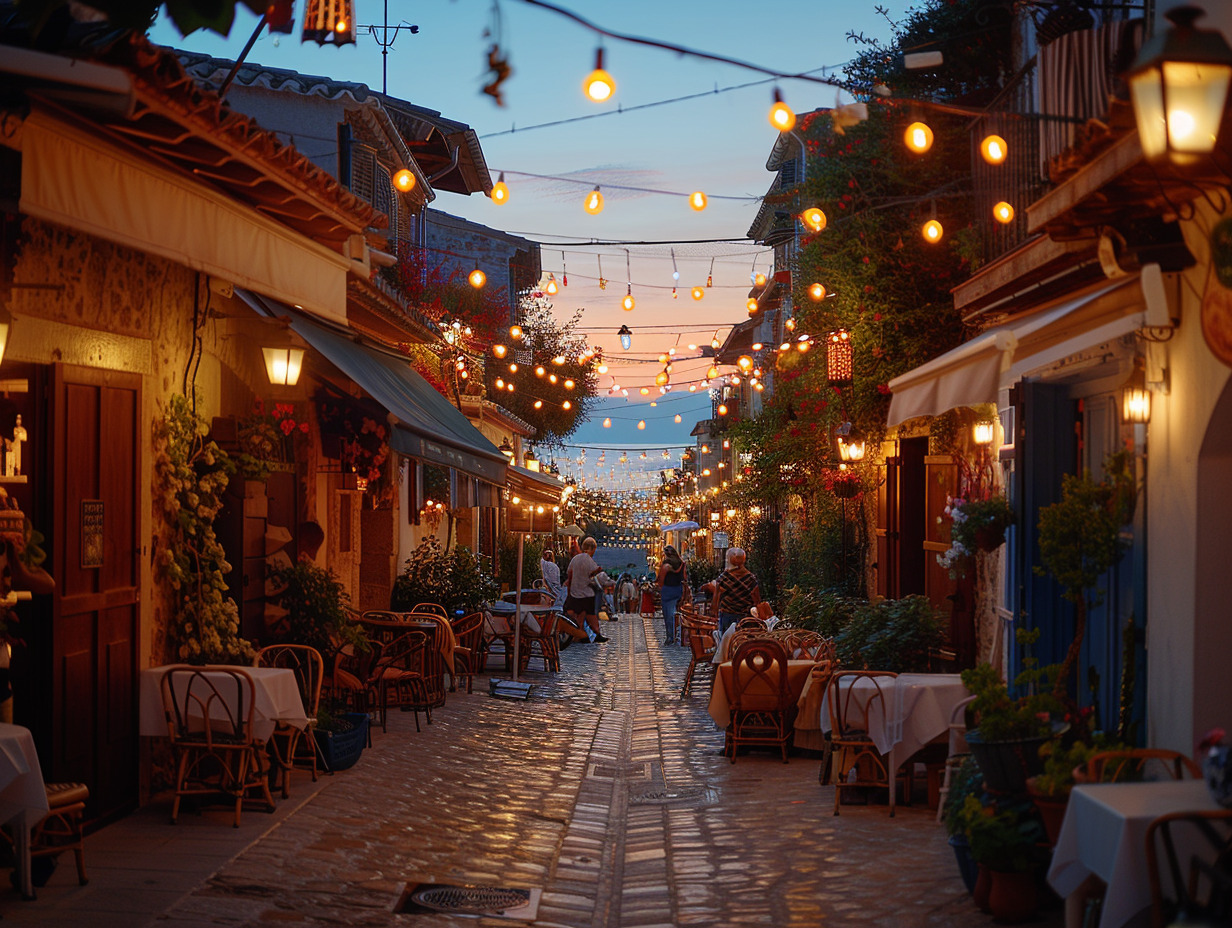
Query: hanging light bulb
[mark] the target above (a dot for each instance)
(697, 293)
(499, 350)
(594, 202)
(722, 410)
(817, 292)
(566, 405)
(713, 372)
(662, 378)
(551, 288)
(641, 425)
(552, 378)
(540, 370)
(602, 368)
(599, 85)
(814, 219)
(993, 149)
(500, 191)
(628, 302)
(745, 363)
(626, 337)
(404, 180)
(759, 279)
(697, 200)
(607, 423)
(752, 306)
(791, 325)
(918, 137)
(569, 385)
(781, 115)
(477, 278)
(1003, 212)
(515, 332)
(538, 404)
(932, 231)
(677, 419)
(513, 368)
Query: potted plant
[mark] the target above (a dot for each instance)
(316, 610)
(964, 781)
(1050, 788)
(1005, 839)
(340, 736)
(975, 525)
(455, 579)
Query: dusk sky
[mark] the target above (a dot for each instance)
(717, 143)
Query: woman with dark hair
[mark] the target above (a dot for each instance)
(671, 580)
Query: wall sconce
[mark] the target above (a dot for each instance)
(506, 449)
(282, 364)
(984, 431)
(1178, 85)
(851, 446)
(1135, 397)
(839, 357)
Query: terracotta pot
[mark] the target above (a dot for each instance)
(1051, 810)
(1012, 898)
(983, 887)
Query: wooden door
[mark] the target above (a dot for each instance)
(95, 546)
(887, 529)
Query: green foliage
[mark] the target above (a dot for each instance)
(1061, 759)
(507, 561)
(991, 516)
(192, 475)
(811, 556)
(966, 780)
(1004, 836)
(455, 579)
(32, 553)
(763, 558)
(701, 570)
(265, 439)
(893, 634)
(1006, 718)
(316, 609)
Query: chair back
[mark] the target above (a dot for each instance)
(1140, 764)
(855, 697)
(302, 660)
(405, 653)
(432, 608)
(759, 678)
(958, 727)
(468, 630)
(699, 633)
(208, 705)
(1197, 890)
(751, 622)
(380, 615)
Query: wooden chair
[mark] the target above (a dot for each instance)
(209, 713)
(825, 666)
(542, 643)
(854, 696)
(469, 633)
(751, 622)
(60, 828)
(432, 609)
(699, 636)
(763, 709)
(348, 683)
(957, 750)
(398, 678)
(1139, 764)
(1200, 889)
(287, 741)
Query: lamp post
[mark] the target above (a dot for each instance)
(851, 448)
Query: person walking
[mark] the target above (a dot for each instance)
(673, 574)
(628, 592)
(580, 592)
(550, 571)
(736, 590)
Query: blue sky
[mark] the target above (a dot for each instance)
(717, 143)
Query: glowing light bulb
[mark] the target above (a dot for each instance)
(500, 191)
(817, 292)
(752, 306)
(404, 180)
(513, 368)
(745, 363)
(645, 391)
(932, 231)
(602, 368)
(918, 137)
(599, 85)
(594, 202)
(477, 278)
(993, 149)
(540, 371)
(713, 372)
(697, 293)
(515, 332)
(641, 425)
(781, 115)
(552, 378)
(697, 200)
(628, 302)
(566, 405)
(677, 419)
(791, 324)
(500, 383)
(569, 384)
(722, 410)
(551, 288)
(499, 350)
(813, 218)
(1003, 212)
(607, 423)
(538, 404)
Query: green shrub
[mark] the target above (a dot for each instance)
(894, 634)
(507, 561)
(316, 614)
(454, 579)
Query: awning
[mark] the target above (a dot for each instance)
(534, 488)
(426, 425)
(77, 180)
(973, 372)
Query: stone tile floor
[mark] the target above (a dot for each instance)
(605, 790)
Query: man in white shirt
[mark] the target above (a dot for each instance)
(580, 594)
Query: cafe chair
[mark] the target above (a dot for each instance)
(751, 622)
(1197, 891)
(542, 643)
(468, 631)
(398, 680)
(431, 609)
(957, 750)
(1140, 764)
(60, 828)
(349, 683)
(763, 709)
(288, 742)
(209, 713)
(699, 636)
(854, 697)
(382, 625)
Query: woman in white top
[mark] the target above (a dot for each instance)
(580, 594)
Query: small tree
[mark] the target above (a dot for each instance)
(1080, 540)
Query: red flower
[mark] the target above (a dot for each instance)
(876, 317)
(883, 389)
(303, 427)
(287, 426)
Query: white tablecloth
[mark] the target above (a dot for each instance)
(918, 706)
(277, 700)
(23, 800)
(1104, 833)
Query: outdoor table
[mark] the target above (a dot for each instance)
(23, 799)
(506, 609)
(1104, 834)
(277, 700)
(440, 634)
(720, 703)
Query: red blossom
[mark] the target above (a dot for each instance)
(883, 389)
(287, 426)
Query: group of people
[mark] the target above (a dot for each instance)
(586, 589)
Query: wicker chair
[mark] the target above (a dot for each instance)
(1200, 888)
(542, 643)
(699, 636)
(763, 708)
(431, 609)
(468, 631)
(209, 713)
(853, 696)
(1137, 763)
(288, 741)
(60, 829)
(398, 678)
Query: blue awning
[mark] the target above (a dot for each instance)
(426, 425)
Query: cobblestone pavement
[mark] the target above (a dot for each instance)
(604, 790)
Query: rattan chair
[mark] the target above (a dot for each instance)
(957, 750)
(468, 631)
(1199, 890)
(854, 695)
(398, 678)
(60, 829)
(542, 644)
(348, 682)
(1140, 763)
(209, 714)
(699, 636)
(763, 708)
(288, 742)
(432, 609)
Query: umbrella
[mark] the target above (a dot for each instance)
(680, 526)
(571, 530)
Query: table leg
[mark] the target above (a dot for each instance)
(893, 762)
(20, 826)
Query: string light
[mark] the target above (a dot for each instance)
(697, 200)
(628, 302)
(566, 405)
(599, 85)
(499, 350)
(607, 423)
(781, 115)
(404, 180)
(993, 149)
(918, 137)
(932, 231)
(515, 332)
(594, 204)
(817, 292)
(759, 279)
(753, 306)
(626, 337)
(814, 219)
(698, 293)
(551, 289)
(500, 191)
(1003, 212)
(677, 419)
(641, 425)
(477, 278)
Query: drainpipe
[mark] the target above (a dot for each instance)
(453, 163)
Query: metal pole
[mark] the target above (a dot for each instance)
(517, 610)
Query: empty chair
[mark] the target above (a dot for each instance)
(699, 636)
(209, 713)
(398, 678)
(957, 749)
(468, 631)
(349, 681)
(857, 698)
(1198, 890)
(541, 643)
(288, 741)
(60, 828)
(763, 708)
(1140, 764)
(432, 609)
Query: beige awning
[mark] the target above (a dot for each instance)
(83, 182)
(973, 372)
(533, 488)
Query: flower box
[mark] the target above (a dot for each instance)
(341, 749)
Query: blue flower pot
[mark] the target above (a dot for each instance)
(1217, 769)
(967, 867)
(341, 749)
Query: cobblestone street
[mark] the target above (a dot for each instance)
(604, 790)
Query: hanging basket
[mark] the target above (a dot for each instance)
(847, 490)
(1006, 765)
(988, 538)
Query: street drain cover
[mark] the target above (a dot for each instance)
(663, 797)
(490, 901)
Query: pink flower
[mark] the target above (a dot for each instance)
(1213, 738)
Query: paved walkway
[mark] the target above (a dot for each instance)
(605, 791)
